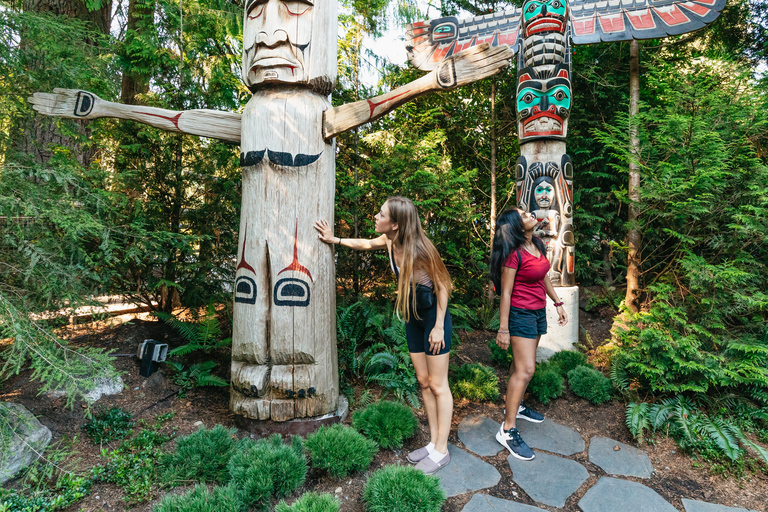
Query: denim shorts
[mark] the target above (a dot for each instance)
(417, 331)
(527, 323)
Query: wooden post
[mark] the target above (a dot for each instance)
(633, 192)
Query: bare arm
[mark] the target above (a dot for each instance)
(359, 244)
(437, 335)
(76, 104)
(562, 315)
(463, 68)
(507, 285)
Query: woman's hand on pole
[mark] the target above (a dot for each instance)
(562, 317)
(325, 230)
(436, 340)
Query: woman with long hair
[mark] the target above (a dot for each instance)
(520, 272)
(423, 288)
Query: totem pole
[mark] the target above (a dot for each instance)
(284, 362)
(541, 33)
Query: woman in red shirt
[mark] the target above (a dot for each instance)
(519, 268)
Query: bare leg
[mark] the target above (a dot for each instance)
(438, 383)
(524, 350)
(430, 404)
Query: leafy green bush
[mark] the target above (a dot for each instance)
(199, 457)
(566, 360)
(387, 423)
(499, 356)
(311, 502)
(402, 489)
(340, 450)
(475, 381)
(69, 489)
(201, 499)
(590, 384)
(110, 425)
(546, 383)
(267, 467)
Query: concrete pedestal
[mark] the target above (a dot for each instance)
(561, 338)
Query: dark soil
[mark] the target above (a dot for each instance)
(677, 475)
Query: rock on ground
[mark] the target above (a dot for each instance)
(23, 439)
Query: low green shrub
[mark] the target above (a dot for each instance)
(590, 384)
(402, 489)
(566, 360)
(475, 381)
(199, 457)
(546, 383)
(387, 423)
(311, 502)
(340, 450)
(110, 425)
(500, 356)
(267, 467)
(69, 489)
(201, 499)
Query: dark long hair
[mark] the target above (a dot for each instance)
(509, 237)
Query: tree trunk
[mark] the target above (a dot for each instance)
(633, 192)
(135, 81)
(491, 294)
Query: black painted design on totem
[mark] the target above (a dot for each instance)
(245, 290)
(281, 158)
(446, 73)
(83, 104)
(290, 291)
(251, 158)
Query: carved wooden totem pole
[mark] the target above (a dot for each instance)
(284, 362)
(541, 33)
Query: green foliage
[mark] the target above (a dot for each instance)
(69, 489)
(475, 381)
(610, 297)
(133, 465)
(547, 382)
(387, 423)
(198, 374)
(112, 424)
(340, 450)
(266, 468)
(566, 360)
(199, 457)
(311, 502)
(357, 326)
(201, 499)
(501, 357)
(398, 488)
(200, 336)
(590, 384)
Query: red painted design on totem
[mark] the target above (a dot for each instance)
(641, 20)
(464, 46)
(174, 119)
(524, 78)
(563, 74)
(485, 39)
(509, 38)
(443, 52)
(611, 22)
(570, 265)
(295, 265)
(696, 8)
(373, 105)
(672, 15)
(584, 26)
(244, 264)
(543, 24)
(708, 2)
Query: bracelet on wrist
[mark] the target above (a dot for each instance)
(502, 332)
(339, 242)
(558, 304)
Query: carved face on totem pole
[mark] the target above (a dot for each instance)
(544, 194)
(544, 16)
(286, 41)
(543, 104)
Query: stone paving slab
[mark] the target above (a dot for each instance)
(485, 503)
(478, 434)
(613, 494)
(703, 506)
(627, 461)
(466, 473)
(551, 437)
(548, 479)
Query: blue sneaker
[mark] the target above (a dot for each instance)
(526, 413)
(511, 440)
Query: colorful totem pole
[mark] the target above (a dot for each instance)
(284, 362)
(541, 33)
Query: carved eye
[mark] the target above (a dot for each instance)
(256, 11)
(528, 97)
(297, 8)
(532, 7)
(556, 4)
(560, 95)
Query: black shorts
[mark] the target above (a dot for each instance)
(417, 331)
(527, 323)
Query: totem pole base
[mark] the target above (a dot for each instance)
(561, 338)
(299, 427)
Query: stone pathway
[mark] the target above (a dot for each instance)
(550, 479)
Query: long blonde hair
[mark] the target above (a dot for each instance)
(418, 254)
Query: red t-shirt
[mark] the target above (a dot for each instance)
(529, 291)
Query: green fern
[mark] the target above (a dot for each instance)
(723, 433)
(637, 418)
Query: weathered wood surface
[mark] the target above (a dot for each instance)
(461, 69)
(284, 361)
(78, 104)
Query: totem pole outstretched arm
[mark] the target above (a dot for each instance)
(460, 69)
(77, 104)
